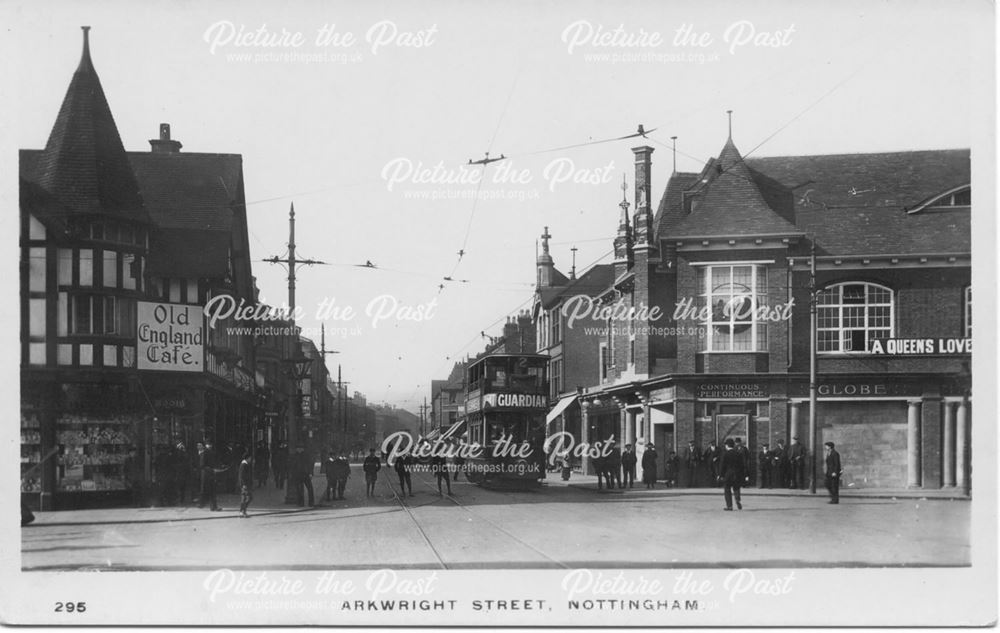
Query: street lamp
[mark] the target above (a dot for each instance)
(298, 368)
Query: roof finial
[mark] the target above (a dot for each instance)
(729, 113)
(86, 42)
(674, 142)
(572, 271)
(624, 188)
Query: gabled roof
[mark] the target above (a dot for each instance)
(590, 283)
(732, 203)
(83, 164)
(670, 212)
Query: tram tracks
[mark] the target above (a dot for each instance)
(473, 514)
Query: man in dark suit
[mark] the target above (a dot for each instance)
(628, 466)
(779, 465)
(744, 454)
(733, 474)
(764, 459)
(712, 461)
(796, 464)
(691, 460)
(833, 472)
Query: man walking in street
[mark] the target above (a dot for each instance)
(796, 464)
(733, 475)
(245, 481)
(327, 469)
(833, 472)
(371, 466)
(402, 467)
(300, 476)
(341, 473)
(628, 466)
(439, 466)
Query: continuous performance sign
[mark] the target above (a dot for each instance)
(735, 390)
(921, 346)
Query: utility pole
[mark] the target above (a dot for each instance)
(812, 367)
(328, 428)
(294, 403)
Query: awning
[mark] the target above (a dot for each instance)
(432, 435)
(454, 431)
(559, 408)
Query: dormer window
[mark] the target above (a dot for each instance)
(957, 198)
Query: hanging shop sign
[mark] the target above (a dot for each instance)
(170, 337)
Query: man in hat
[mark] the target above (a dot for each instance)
(691, 460)
(764, 459)
(796, 465)
(833, 472)
(712, 459)
(779, 465)
(629, 461)
(744, 454)
(733, 474)
(300, 476)
(371, 466)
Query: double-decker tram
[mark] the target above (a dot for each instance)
(506, 402)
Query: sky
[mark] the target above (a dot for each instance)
(370, 131)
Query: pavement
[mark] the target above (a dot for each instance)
(589, 482)
(560, 525)
(270, 500)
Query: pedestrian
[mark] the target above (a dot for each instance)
(733, 474)
(744, 454)
(134, 476)
(371, 466)
(244, 479)
(649, 466)
(566, 465)
(279, 464)
(628, 466)
(261, 463)
(764, 459)
(459, 462)
(691, 460)
(326, 468)
(797, 464)
(439, 466)
(402, 468)
(341, 473)
(712, 460)
(206, 467)
(833, 472)
(779, 465)
(180, 464)
(601, 469)
(300, 470)
(614, 466)
(670, 467)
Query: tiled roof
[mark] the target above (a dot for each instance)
(46, 209)
(590, 283)
(853, 204)
(83, 164)
(732, 203)
(856, 203)
(185, 190)
(189, 253)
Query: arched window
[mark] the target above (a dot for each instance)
(853, 314)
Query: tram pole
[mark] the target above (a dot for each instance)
(812, 367)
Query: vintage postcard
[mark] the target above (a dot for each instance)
(500, 313)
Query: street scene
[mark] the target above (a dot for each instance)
(563, 525)
(461, 289)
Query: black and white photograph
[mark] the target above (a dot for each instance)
(545, 314)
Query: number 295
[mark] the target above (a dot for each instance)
(70, 607)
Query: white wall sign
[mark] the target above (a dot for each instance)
(170, 337)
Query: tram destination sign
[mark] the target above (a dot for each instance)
(921, 346)
(515, 401)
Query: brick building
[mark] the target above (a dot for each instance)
(718, 279)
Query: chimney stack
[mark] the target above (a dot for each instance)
(643, 219)
(164, 145)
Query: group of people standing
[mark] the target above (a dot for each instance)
(617, 467)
